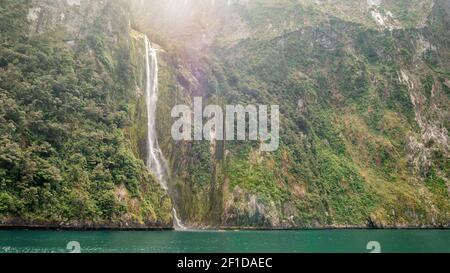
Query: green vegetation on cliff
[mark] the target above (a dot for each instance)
(363, 89)
(364, 116)
(66, 109)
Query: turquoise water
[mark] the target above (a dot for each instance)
(340, 241)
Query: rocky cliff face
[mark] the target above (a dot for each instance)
(363, 88)
(74, 15)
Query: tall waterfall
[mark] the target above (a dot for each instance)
(155, 160)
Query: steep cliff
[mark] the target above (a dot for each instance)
(363, 92)
(363, 89)
(70, 109)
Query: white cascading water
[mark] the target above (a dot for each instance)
(155, 161)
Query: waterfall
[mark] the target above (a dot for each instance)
(155, 160)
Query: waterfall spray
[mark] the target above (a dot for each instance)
(155, 160)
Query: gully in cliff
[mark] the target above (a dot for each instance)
(237, 119)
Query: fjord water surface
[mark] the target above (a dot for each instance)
(317, 241)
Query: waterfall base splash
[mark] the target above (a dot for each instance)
(177, 222)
